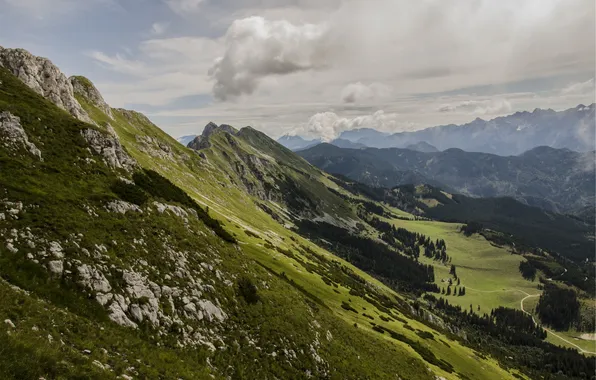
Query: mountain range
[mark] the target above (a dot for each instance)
(508, 135)
(124, 254)
(557, 180)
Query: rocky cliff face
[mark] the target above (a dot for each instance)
(83, 87)
(41, 75)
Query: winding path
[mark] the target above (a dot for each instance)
(521, 304)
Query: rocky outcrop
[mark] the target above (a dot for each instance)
(202, 141)
(122, 207)
(109, 148)
(83, 87)
(12, 134)
(43, 77)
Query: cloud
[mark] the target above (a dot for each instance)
(184, 7)
(256, 48)
(329, 125)
(164, 70)
(358, 92)
(581, 88)
(478, 107)
(159, 28)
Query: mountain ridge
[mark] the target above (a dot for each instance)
(555, 179)
(503, 135)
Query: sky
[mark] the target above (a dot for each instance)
(316, 67)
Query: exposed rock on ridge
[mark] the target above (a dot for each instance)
(13, 135)
(41, 75)
(202, 141)
(83, 87)
(109, 148)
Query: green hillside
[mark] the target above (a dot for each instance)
(125, 254)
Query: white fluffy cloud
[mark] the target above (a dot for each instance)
(358, 92)
(256, 48)
(478, 107)
(329, 125)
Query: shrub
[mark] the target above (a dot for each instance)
(248, 290)
(129, 192)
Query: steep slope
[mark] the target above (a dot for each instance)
(85, 249)
(509, 135)
(558, 180)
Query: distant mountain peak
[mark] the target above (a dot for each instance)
(423, 146)
(294, 142)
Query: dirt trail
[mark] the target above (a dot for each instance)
(521, 304)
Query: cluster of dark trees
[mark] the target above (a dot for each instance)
(527, 270)
(511, 337)
(410, 242)
(436, 250)
(517, 320)
(558, 307)
(471, 228)
(461, 291)
(397, 271)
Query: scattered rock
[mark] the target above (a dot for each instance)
(212, 312)
(13, 136)
(11, 248)
(93, 279)
(56, 267)
(109, 148)
(122, 207)
(56, 250)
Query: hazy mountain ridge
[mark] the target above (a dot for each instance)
(507, 135)
(296, 142)
(554, 179)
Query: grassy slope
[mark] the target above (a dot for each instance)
(208, 184)
(57, 307)
(490, 274)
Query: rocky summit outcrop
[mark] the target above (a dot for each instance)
(202, 141)
(41, 75)
(83, 87)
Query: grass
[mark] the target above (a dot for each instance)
(490, 274)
